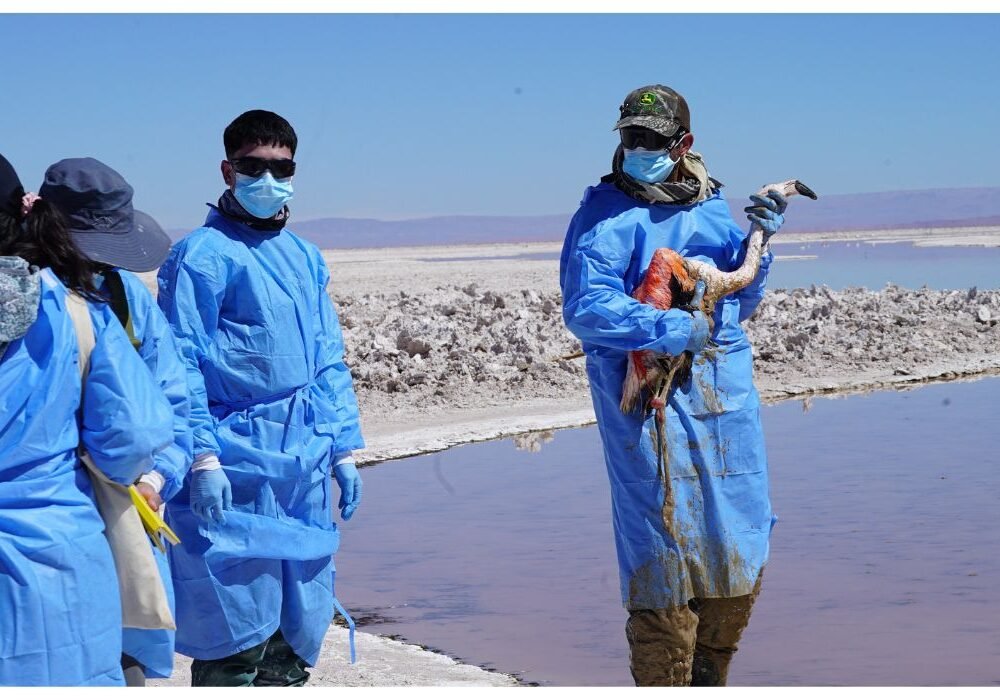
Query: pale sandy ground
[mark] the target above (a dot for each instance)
(380, 662)
(468, 348)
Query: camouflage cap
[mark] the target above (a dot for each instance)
(655, 107)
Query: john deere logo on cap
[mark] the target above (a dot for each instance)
(647, 99)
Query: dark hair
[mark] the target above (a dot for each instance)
(258, 127)
(44, 240)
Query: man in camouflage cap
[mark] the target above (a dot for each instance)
(655, 124)
(692, 542)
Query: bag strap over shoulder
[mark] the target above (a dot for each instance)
(119, 304)
(79, 313)
(144, 601)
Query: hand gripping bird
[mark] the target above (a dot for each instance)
(672, 281)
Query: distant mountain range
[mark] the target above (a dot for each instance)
(971, 206)
(944, 208)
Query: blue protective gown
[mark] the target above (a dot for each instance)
(715, 541)
(271, 396)
(60, 615)
(154, 649)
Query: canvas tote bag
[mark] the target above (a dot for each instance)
(144, 601)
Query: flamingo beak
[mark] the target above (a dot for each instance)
(804, 190)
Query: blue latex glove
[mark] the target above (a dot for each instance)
(211, 494)
(767, 212)
(699, 333)
(699, 322)
(697, 298)
(349, 481)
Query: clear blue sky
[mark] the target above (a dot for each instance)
(417, 115)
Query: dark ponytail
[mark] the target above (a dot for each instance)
(10, 230)
(44, 240)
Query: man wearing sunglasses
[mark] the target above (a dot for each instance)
(691, 551)
(274, 417)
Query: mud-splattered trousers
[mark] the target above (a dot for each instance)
(701, 532)
(688, 644)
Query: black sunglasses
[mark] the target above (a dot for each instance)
(640, 137)
(254, 167)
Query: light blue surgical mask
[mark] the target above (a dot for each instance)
(648, 166)
(262, 196)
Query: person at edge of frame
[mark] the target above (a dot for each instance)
(60, 608)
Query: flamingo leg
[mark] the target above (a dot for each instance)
(659, 403)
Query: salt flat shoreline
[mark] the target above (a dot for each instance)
(388, 439)
(381, 662)
(461, 344)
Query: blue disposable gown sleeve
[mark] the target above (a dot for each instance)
(190, 299)
(125, 419)
(596, 307)
(332, 375)
(159, 352)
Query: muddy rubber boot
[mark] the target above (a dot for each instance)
(705, 672)
(661, 645)
(721, 622)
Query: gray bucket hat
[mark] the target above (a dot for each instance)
(97, 201)
(655, 107)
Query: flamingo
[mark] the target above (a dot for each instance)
(671, 281)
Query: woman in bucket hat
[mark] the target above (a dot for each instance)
(97, 202)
